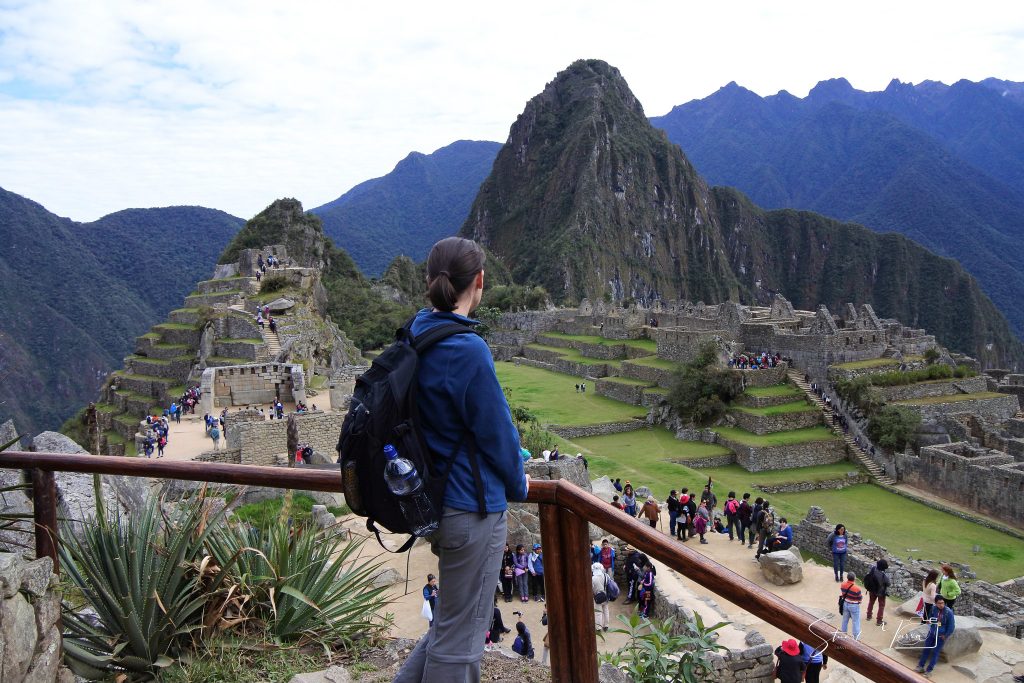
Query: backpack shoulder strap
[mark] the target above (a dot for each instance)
(424, 341)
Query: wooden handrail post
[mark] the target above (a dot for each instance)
(570, 600)
(44, 507)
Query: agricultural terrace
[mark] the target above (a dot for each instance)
(650, 456)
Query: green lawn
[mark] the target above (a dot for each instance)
(954, 398)
(794, 407)
(645, 344)
(772, 391)
(792, 436)
(627, 380)
(876, 363)
(552, 397)
(650, 444)
(907, 528)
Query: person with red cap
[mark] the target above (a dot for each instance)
(790, 668)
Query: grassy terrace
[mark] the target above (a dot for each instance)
(954, 398)
(175, 326)
(627, 380)
(793, 436)
(574, 356)
(552, 397)
(645, 344)
(794, 407)
(773, 391)
(231, 361)
(145, 378)
(655, 362)
(650, 445)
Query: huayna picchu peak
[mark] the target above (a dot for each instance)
(587, 199)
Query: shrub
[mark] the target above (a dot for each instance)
(931, 356)
(701, 389)
(892, 427)
(273, 283)
(654, 654)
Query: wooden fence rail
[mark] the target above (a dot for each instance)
(565, 511)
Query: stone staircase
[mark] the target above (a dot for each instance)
(273, 342)
(865, 460)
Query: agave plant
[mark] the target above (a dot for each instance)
(297, 584)
(656, 652)
(136, 572)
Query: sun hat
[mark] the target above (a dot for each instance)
(790, 647)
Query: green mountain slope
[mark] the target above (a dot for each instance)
(919, 160)
(74, 296)
(587, 199)
(426, 197)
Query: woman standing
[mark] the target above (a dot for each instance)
(629, 500)
(948, 587)
(790, 667)
(837, 544)
(464, 417)
(521, 569)
(930, 590)
(508, 569)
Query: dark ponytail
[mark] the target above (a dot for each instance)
(452, 265)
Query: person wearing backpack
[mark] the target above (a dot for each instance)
(837, 546)
(877, 584)
(732, 516)
(672, 505)
(465, 420)
(599, 585)
(746, 519)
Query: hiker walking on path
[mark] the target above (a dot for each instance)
(464, 416)
(651, 511)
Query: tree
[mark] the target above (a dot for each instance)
(893, 427)
(701, 388)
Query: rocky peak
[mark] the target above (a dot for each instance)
(283, 222)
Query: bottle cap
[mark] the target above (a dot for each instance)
(389, 452)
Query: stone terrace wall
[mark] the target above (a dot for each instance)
(767, 424)
(30, 642)
(260, 442)
(524, 518)
(760, 458)
(996, 408)
(988, 481)
(601, 429)
(646, 373)
(764, 378)
(683, 345)
(851, 479)
(251, 384)
(620, 391)
(907, 392)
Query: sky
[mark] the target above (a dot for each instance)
(114, 104)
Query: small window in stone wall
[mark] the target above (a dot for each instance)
(952, 467)
(874, 337)
(847, 341)
(861, 340)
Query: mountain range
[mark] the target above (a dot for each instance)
(588, 199)
(75, 295)
(940, 164)
(943, 165)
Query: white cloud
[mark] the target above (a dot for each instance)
(120, 103)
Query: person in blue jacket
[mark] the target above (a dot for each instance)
(430, 594)
(464, 415)
(784, 538)
(940, 629)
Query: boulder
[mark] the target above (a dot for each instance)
(610, 674)
(322, 518)
(1011, 657)
(388, 576)
(603, 489)
(18, 634)
(909, 608)
(985, 669)
(643, 492)
(966, 640)
(781, 567)
(280, 305)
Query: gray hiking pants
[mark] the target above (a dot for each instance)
(468, 548)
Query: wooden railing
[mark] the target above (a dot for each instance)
(565, 510)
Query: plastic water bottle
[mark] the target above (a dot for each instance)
(404, 481)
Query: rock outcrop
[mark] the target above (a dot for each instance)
(30, 641)
(782, 567)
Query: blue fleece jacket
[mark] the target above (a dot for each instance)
(458, 391)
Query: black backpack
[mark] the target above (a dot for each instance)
(383, 411)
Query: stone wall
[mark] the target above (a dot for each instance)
(601, 429)
(766, 401)
(709, 461)
(908, 392)
(760, 458)
(981, 479)
(620, 391)
(259, 383)
(780, 422)
(30, 641)
(768, 377)
(524, 518)
(851, 479)
(646, 373)
(683, 345)
(259, 442)
(995, 408)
